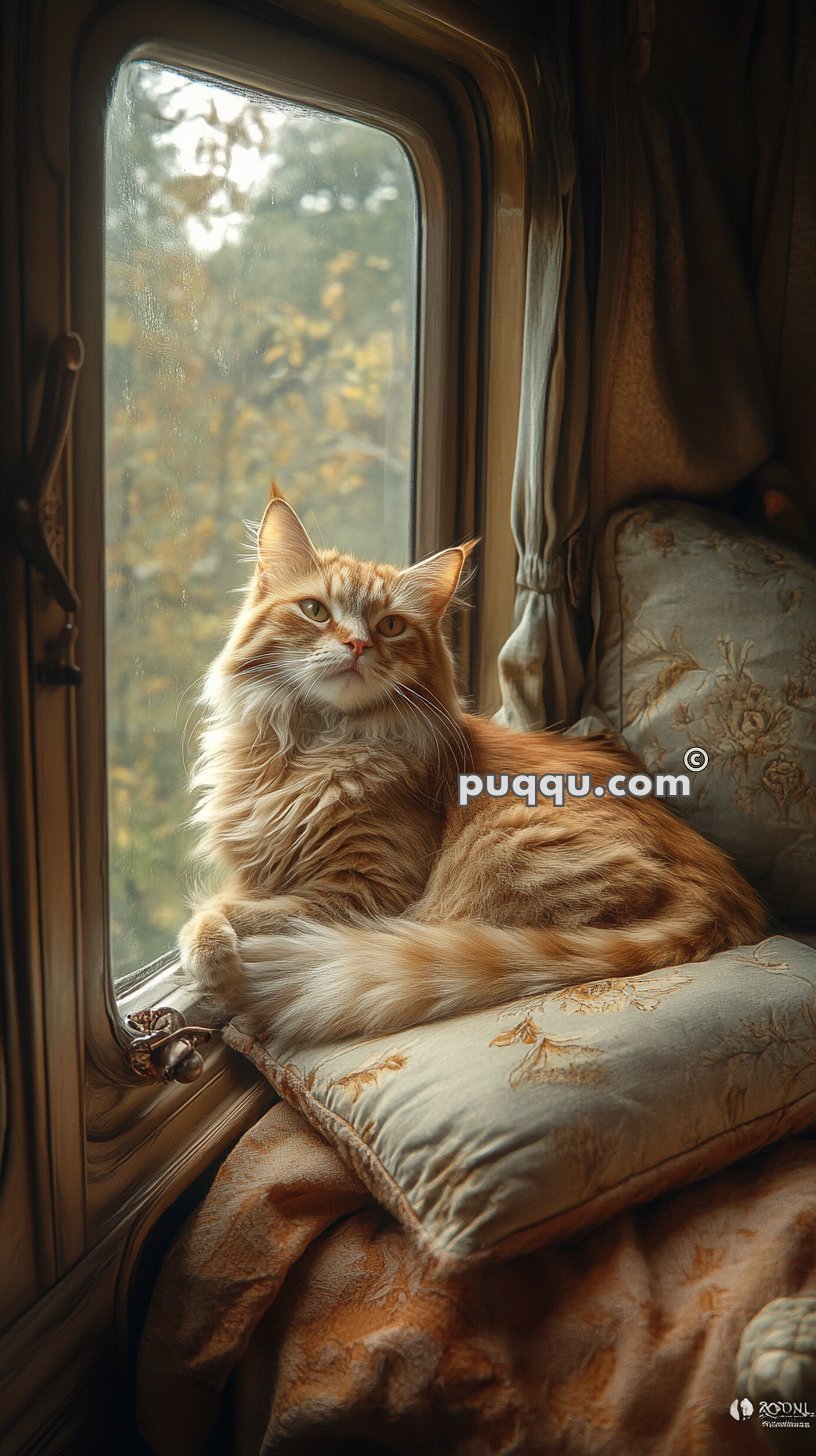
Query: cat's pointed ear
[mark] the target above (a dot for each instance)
(435, 580)
(283, 545)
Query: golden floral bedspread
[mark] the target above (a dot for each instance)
(293, 1312)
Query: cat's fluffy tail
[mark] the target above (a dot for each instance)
(326, 982)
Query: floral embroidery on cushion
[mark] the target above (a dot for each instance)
(779, 1050)
(756, 562)
(542, 1062)
(755, 959)
(653, 753)
(526, 1031)
(353, 1083)
(669, 662)
(743, 720)
(538, 1066)
(635, 995)
(776, 968)
(788, 783)
(798, 685)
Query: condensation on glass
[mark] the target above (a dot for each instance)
(261, 297)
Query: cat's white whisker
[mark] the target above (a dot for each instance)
(440, 712)
(433, 733)
(453, 741)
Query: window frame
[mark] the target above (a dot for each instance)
(92, 1159)
(90, 1163)
(268, 59)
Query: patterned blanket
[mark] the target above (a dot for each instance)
(293, 1315)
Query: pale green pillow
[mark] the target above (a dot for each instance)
(707, 638)
(491, 1134)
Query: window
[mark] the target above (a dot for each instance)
(261, 292)
(184, 139)
(92, 1157)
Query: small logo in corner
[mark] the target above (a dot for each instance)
(774, 1413)
(742, 1410)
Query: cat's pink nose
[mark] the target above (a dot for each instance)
(356, 645)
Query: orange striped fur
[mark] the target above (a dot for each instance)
(358, 896)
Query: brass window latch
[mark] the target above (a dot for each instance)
(165, 1048)
(36, 515)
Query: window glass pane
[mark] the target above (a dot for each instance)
(261, 293)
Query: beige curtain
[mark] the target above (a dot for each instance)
(694, 129)
(540, 667)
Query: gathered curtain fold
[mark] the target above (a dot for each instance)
(540, 666)
(678, 140)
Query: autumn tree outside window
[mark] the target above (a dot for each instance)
(261, 299)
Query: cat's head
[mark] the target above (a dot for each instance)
(326, 633)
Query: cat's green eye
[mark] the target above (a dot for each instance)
(314, 610)
(392, 626)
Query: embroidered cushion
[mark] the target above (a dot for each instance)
(491, 1134)
(707, 639)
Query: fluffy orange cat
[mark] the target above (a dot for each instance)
(360, 897)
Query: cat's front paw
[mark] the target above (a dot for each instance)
(208, 951)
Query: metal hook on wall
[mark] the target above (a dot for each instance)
(65, 360)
